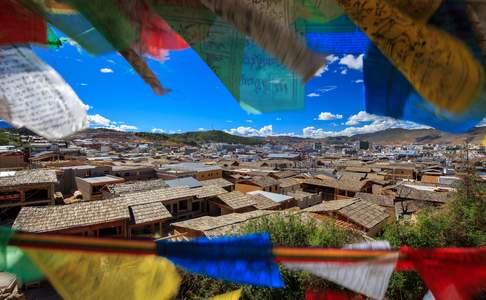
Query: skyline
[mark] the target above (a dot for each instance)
(117, 98)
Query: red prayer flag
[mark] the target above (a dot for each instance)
(20, 25)
(450, 273)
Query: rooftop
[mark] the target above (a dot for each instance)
(262, 202)
(288, 182)
(59, 217)
(330, 206)
(216, 182)
(272, 196)
(16, 178)
(382, 200)
(236, 200)
(137, 186)
(364, 213)
(149, 212)
(187, 166)
(102, 179)
(184, 181)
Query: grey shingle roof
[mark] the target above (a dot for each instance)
(329, 206)
(28, 177)
(364, 213)
(149, 212)
(262, 202)
(216, 182)
(59, 217)
(237, 200)
(184, 181)
(137, 186)
(381, 200)
(208, 223)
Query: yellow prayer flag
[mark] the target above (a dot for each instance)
(77, 275)
(234, 295)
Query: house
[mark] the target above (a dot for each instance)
(262, 183)
(385, 201)
(288, 185)
(119, 189)
(200, 171)
(92, 187)
(136, 213)
(410, 198)
(305, 199)
(184, 181)
(134, 172)
(96, 218)
(283, 201)
(283, 174)
(333, 189)
(207, 226)
(231, 202)
(264, 203)
(359, 214)
(27, 187)
(223, 183)
(67, 175)
(12, 159)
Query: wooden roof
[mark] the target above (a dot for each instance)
(237, 200)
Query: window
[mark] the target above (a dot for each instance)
(183, 204)
(109, 231)
(196, 206)
(174, 208)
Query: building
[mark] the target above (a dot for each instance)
(356, 213)
(184, 181)
(257, 183)
(197, 170)
(305, 199)
(288, 185)
(67, 175)
(130, 172)
(92, 187)
(223, 183)
(385, 201)
(207, 226)
(230, 203)
(27, 187)
(119, 189)
(333, 189)
(12, 159)
(283, 201)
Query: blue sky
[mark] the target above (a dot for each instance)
(117, 98)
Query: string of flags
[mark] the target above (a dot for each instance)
(90, 268)
(424, 61)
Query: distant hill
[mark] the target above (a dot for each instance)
(389, 136)
(421, 136)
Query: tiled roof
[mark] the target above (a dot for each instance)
(188, 166)
(300, 195)
(209, 191)
(28, 177)
(284, 174)
(406, 192)
(237, 200)
(210, 225)
(149, 212)
(137, 186)
(344, 183)
(59, 217)
(288, 182)
(263, 181)
(364, 213)
(382, 200)
(262, 202)
(184, 181)
(329, 206)
(216, 182)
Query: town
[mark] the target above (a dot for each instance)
(128, 187)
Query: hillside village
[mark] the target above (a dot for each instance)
(131, 187)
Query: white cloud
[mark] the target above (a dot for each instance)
(359, 81)
(98, 121)
(313, 95)
(321, 71)
(127, 127)
(344, 71)
(278, 119)
(378, 123)
(249, 121)
(250, 131)
(106, 70)
(331, 58)
(326, 116)
(83, 84)
(201, 129)
(482, 123)
(157, 130)
(352, 62)
(87, 107)
(327, 88)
